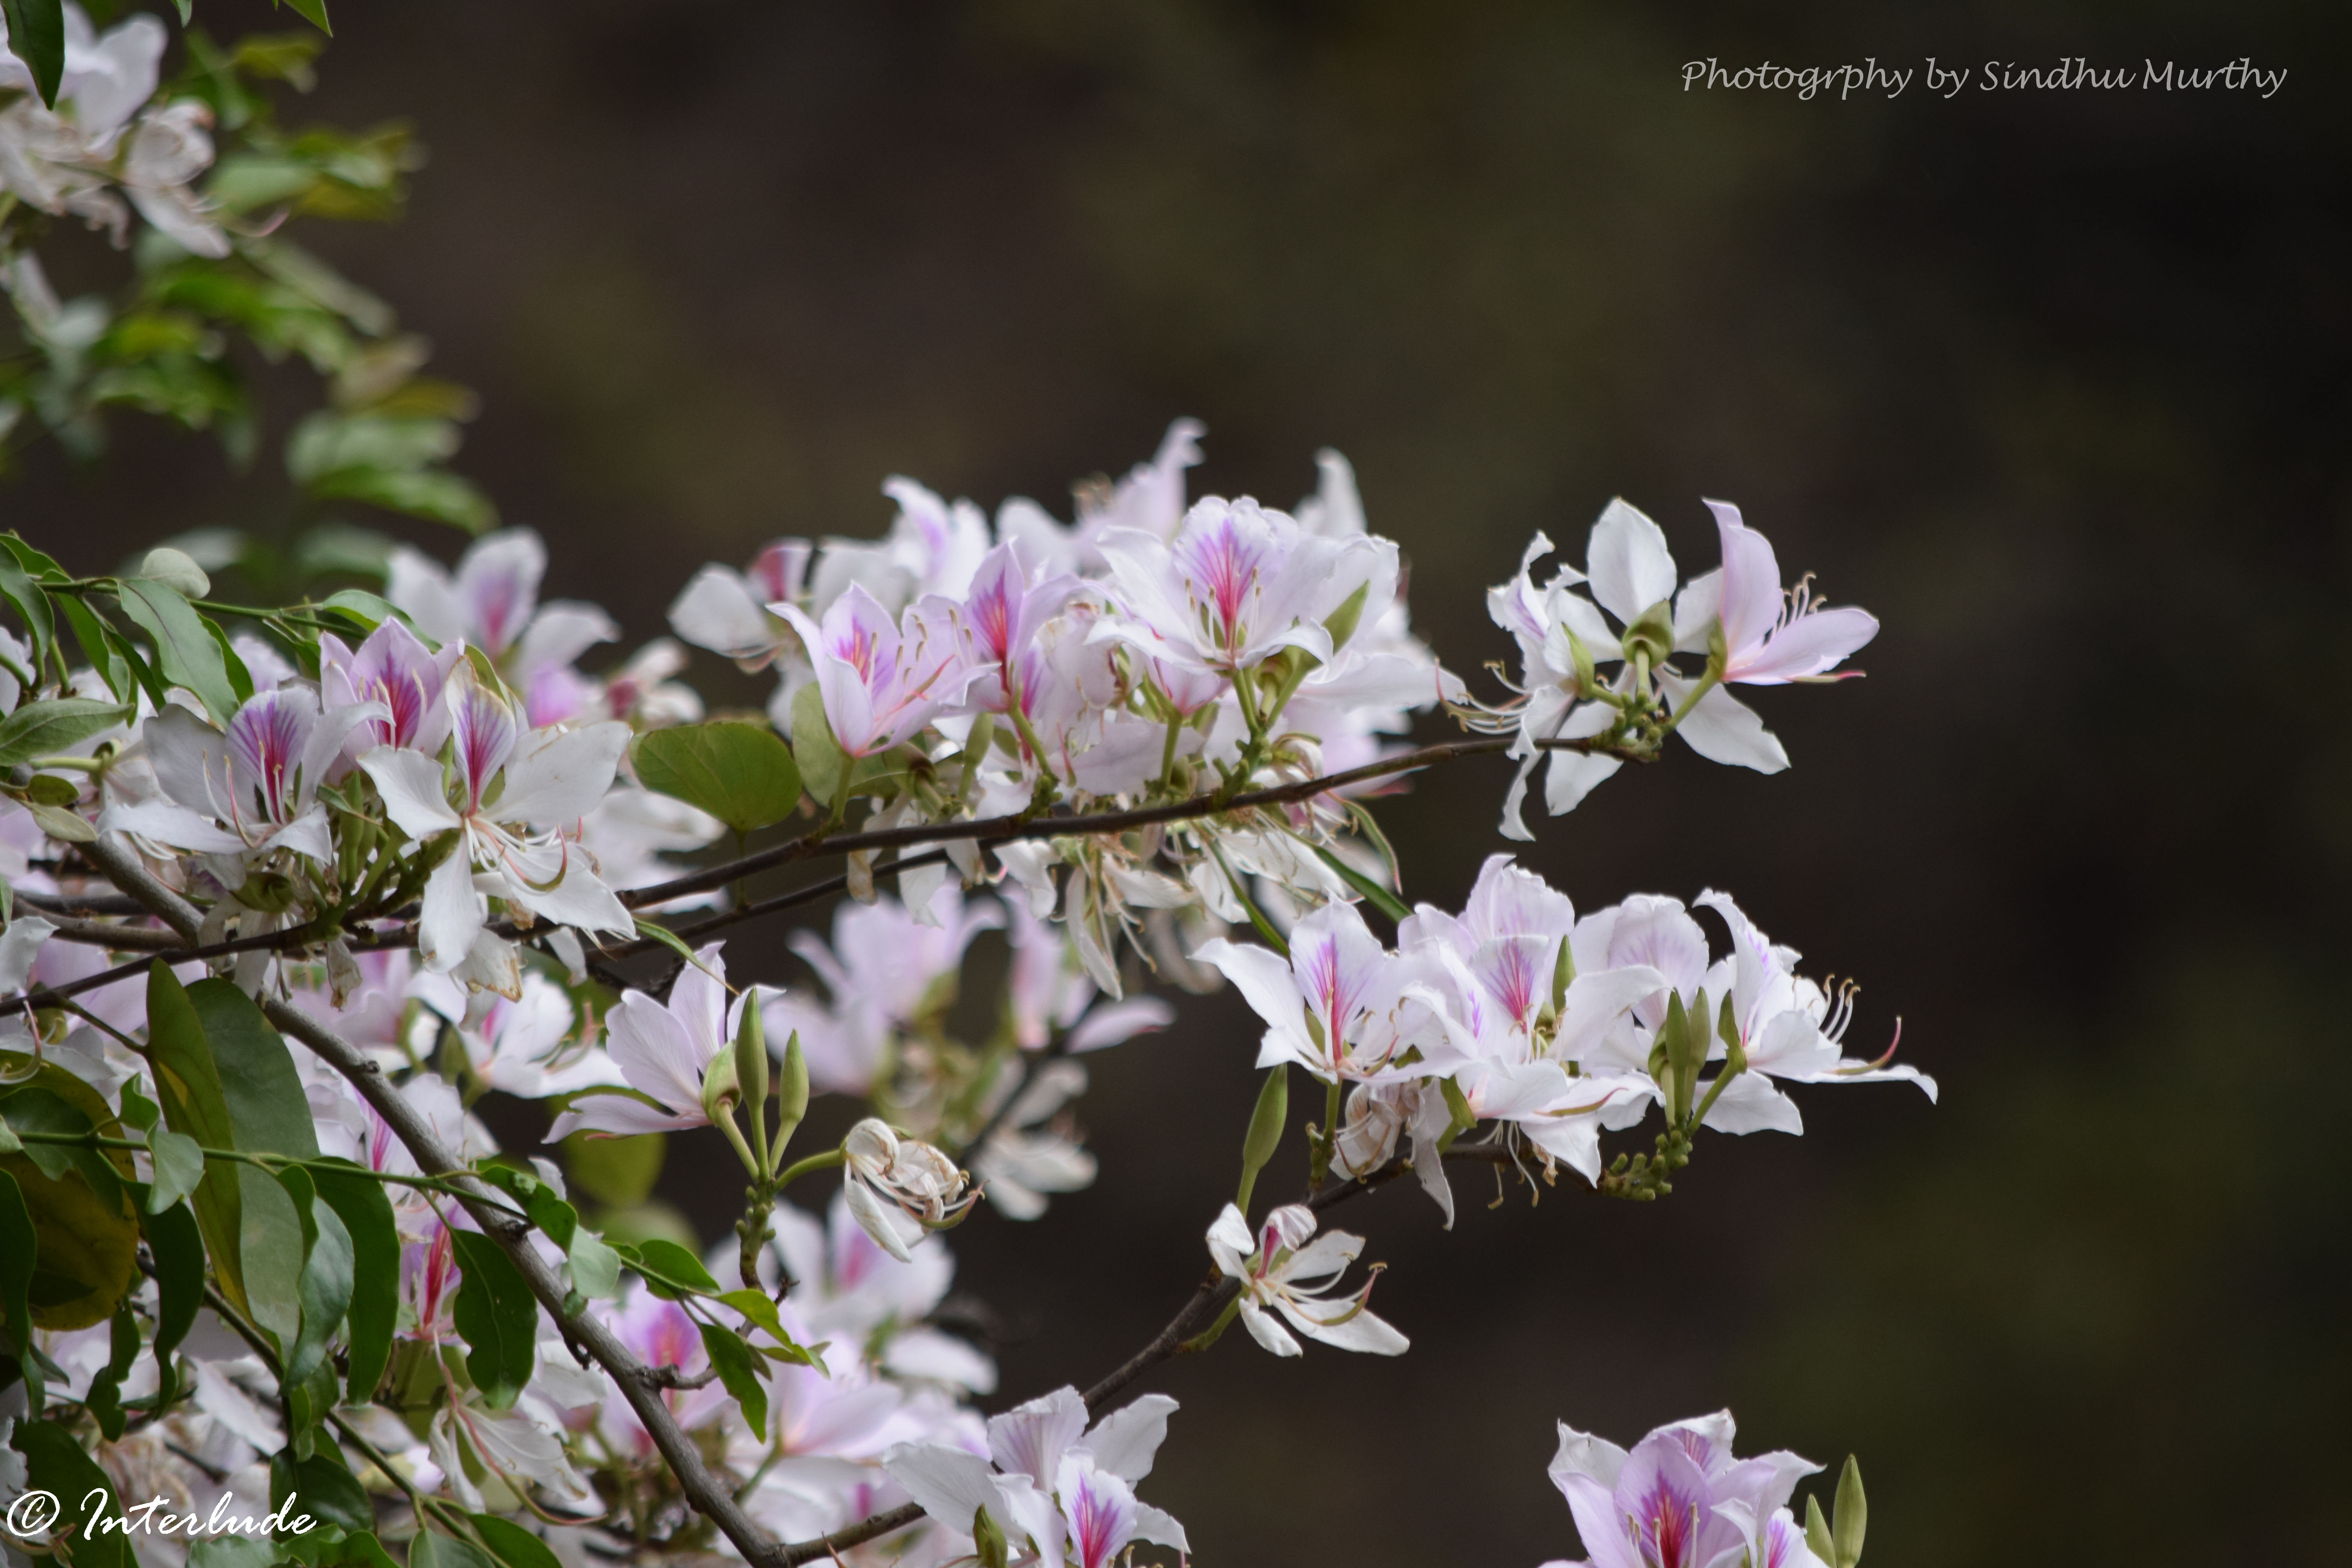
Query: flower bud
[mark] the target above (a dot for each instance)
(1264, 1130)
(791, 1094)
(1853, 1518)
(751, 1054)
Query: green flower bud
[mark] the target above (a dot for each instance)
(1267, 1123)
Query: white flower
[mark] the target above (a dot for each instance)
(1238, 583)
(249, 791)
(514, 845)
(901, 1187)
(1279, 1269)
(665, 1051)
(493, 604)
(1052, 1486)
(1340, 1006)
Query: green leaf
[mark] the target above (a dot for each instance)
(511, 1544)
(230, 1551)
(44, 729)
(738, 1372)
(179, 1166)
(616, 1172)
(55, 1463)
(19, 1244)
(667, 1263)
(813, 747)
(177, 1247)
(137, 1111)
(85, 1224)
(184, 649)
(313, 12)
(740, 773)
(260, 1083)
(497, 1317)
(327, 446)
(31, 604)
(362, 606)
(240, 679)
(760, 1311)
(595, 1267)
(325, 1286)
(434, 494)
(188, 1084)
(1380, 897)
(37, 36)
(366, 1213)
(99, 648)
(269, 1246)
(1852, 1516)
(262, 1100)
(320, 1484)
(432, 1548)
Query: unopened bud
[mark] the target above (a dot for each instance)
(792, 1093)
(1265, 1127)
(1852, 1516)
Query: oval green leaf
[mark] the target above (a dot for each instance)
(743, 773)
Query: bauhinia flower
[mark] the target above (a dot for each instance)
(1002, 615)
(665, 1051)
(1787, 1026)
(1680, 1499)
(253, 789)
(883, 679)
(726, 611)
(514, 842)
(395, 670)
(1057, 1492)
(492, 604)
(1279, 1269)
(1238, 583)
(901, 1187)
(63, 159)
(1342, 1006)
(1770, 636)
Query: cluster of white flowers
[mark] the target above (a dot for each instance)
(106, 139)
(1750, 630)
(1151, 650)
(435, 836)
(1554, 1028)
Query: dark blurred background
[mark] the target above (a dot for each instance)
(2052, 382)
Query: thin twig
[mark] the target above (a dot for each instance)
(1006, 829)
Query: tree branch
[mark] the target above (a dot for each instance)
(1007, 829)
